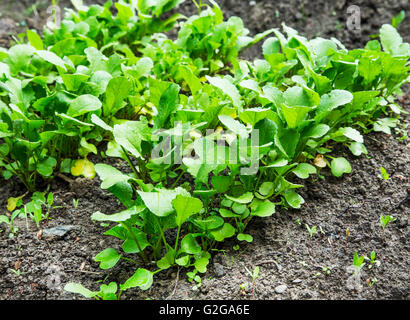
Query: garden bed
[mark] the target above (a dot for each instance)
(292, 265)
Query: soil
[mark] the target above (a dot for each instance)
(292, 265)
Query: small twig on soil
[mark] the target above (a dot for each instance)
(352, 206)
(175, 287)
(66, 179)
(402, 201)
(270, 261)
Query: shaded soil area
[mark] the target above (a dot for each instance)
(292, 265)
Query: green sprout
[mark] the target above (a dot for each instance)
(312, 230)
(385, 220)
(372, 260)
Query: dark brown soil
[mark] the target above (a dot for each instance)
(281, 248)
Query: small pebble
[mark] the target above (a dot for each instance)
(219, 270)
(297, 281)
(59, 231)
(281, 288)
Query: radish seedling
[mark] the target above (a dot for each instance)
(312, 230)
(372, 260)
(385, 220)
(254, 275)
(354, 282)
(212, 141)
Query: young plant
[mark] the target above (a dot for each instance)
(9, 221)
(354, 282)
(371, 282)
(212, 141)
(254, 275)
(312, 230)
(372, 260)
(385, 220)
(194, 277)
(383, 174)
(243, 287)
(107, 292)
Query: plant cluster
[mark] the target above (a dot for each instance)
(212, 140)
(38, 210)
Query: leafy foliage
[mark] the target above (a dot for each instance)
(118, 83)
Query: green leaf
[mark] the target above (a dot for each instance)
(352, 134)
(239, 208)
(109, 291)
(160, 202)
(144, 66)
(110, 175)
(79, 289)
(294, 115)
(193, 82)
(166, 261)
(201, 264)
(228, 88)
(168, 103)
(339, 166)
(52, 58)
(74, 81)
(234, 125)
(19, 57)
(209, 223)
(300, 97)
(83, 104)
(183, 261)
(293, 199)
(303, 170)
(35, 39)
(226, 231)
(142, 278)
(262, 208)
(250, 85)
(4, 219)
(384, 174)
(185, 207)
(318, 131)
(331, 101)
(221, 183)
(118, 217)
(190, 245)
(385, 125)
(84, 168)
(118, 89)
(227, 213)
(398, 19)
(357, 148)
(46, 166)
(101, 123)
(131, 246)
(254, 115)
(130, 135)
(245, 198)
(245, 237)
(266, 190)
(107, 258)
(97, 84)
(392, 42)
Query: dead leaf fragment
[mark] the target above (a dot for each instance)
(39, 234)
(319, 161)
(12, 203)
(17, 265)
